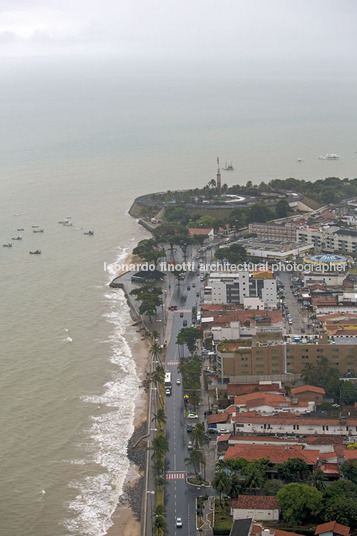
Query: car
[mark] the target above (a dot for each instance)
(189, 428)
(192, 416)
(224, 431)
(188, 287)
(197, 294)
(184, 322)
(190, 445)
(178, 522)
(181, 315)
(212, 431)
(168, 391)
(193, 285)
(178, 381)
(172, 308)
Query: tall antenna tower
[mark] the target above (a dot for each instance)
(219, 184)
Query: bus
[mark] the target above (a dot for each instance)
(168, 383)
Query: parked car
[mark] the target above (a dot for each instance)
(178, 522)
(197, 294)
(212, 431)
(184, 323)
(172, 308)
(193, 285)
(188, 287)
(190, 445)
(168, 391)
(224, 431)
(192, 416)
(181, 315)
(189, 428)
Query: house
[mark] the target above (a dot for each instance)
(308, 393)
(283, 423)
(332, 529)
(220, 421)
(257, 507)
(195, 231)
(268, 403)
(276, 453)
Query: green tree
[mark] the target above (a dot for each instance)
(260, 213)
(282, 208)
(349, 470)
(148, 250)
(255, 473)
(348, 393)
(158, 375)
(189, 336)
(196, 459)
(236, 486)
(234, 254)
(160, 525)
(271, 487)
(293, 469)
(318, 479)
(340, 488)
(298, 502)
(198, 435)
(343, 511)
(221, 483)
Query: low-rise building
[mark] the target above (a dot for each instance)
(332, 529)
(308, 393)
(253, 423)
(257, 507)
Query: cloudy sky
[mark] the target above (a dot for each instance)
(180, 29)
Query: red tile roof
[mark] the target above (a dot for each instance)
(330, 469)
(251, 440)
(350, 454)
(217, 418)
(238, 389)
(267, 397)
(255, 502)
(333, 526)
(278, 532)
(324, 440)
(325, 300)
(275, 453)
(307, 388)
(223, 438)
(288, 419)
(192, 231)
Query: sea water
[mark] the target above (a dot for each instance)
(81, 140)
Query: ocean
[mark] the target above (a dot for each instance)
(81, 140)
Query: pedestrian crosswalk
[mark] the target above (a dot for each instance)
(172, 362)
(175, 476)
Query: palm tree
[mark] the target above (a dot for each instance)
(235, 486)
(198, 435)
(222, 483)
(160, 417)
(318, 479)
(155, 351)
(160, 525)
(158, 375)
(196, 458)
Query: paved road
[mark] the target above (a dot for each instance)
(179, 496)
(294, 306)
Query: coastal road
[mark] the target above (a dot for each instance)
(180, 497)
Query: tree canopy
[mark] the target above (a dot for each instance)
(298, 502)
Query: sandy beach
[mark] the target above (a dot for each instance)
(125, 522)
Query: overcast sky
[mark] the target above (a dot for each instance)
(180, 29)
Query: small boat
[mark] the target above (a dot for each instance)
(67, 222)
(90, 233)
(37, 231)
(299, 160)
(329, 156)
(9, 245)
(36, 252)
(228, 167)
(17, 238)
(20, 229)
(35, 226)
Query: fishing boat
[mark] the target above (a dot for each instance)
(20, 229)
(90, 233)
(228, 167)
(329, 156)
(9, 245)
(17, 238)
(38, 230)
(36, 252)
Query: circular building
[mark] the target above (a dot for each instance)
(326, 259)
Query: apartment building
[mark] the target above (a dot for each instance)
(255, 290)
(328, 238)
(249, 358)
(274, 231)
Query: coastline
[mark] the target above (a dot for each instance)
(126, 517)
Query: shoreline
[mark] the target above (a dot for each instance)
(126, 517)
